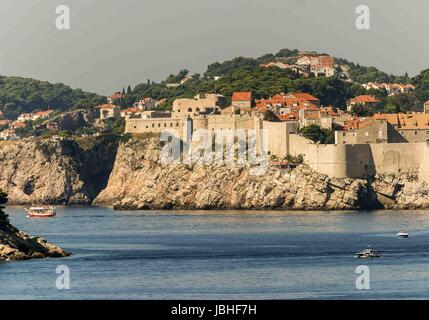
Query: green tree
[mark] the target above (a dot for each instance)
(271, 117)
(361, 110)
(317, 134)
(4, 218)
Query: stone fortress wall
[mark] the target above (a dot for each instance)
(363, 160)
(336, 160)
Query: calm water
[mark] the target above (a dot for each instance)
(215, 255)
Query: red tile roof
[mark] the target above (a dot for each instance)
(289, 116)
(117, 95)
(365, 99)
(242, 96)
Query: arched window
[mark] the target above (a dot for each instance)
(197, 109)
(189, 109)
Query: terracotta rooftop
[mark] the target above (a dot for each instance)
(242, 96)
(365, 99)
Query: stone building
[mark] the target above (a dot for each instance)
(367, 101)
(385, 128)
(201, 104)
(242, 100)
(109, 111)
(363, 131)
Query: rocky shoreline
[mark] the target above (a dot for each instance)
(129, 175)
(17, 245)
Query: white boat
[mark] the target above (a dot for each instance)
(41, 212)
(402, 234)
(368, 253)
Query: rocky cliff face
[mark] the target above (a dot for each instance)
(64, 171)
(17, 245)
(55, 170)
(140, 181)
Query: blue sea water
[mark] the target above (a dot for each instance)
(222, 255)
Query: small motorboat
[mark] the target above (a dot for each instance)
(41, 212)
(402, 234)
(368, 253)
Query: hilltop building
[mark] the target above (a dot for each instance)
(319, 65)
(109, 111)
(367, 101)
(116, 96)
(391, 88)
(201, 104)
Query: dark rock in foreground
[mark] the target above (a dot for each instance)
(17, 245)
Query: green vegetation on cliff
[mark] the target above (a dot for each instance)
(21, 95)
(4, 218)
(245, 74)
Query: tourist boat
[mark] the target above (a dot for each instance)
(402, 234)
(41, 212)
(368, 253)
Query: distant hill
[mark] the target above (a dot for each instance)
(245, 74)
(22, 95)
(18, 95)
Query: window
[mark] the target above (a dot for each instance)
(159, 125)
(153, 125)
(197, 109)
(189, 109)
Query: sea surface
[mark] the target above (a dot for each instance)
(223, 255)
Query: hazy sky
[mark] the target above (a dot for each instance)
(113, 43)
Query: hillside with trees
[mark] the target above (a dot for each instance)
(245, 74)
(23, 95)
(19, 95)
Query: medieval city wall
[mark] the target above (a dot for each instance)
(362, 160)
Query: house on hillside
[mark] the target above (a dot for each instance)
(367, 101)
(8, 134)
(116, 96)
(109, 111)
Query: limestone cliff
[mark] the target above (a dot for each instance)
(55, 170)
(140, 181)
(77, 171)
